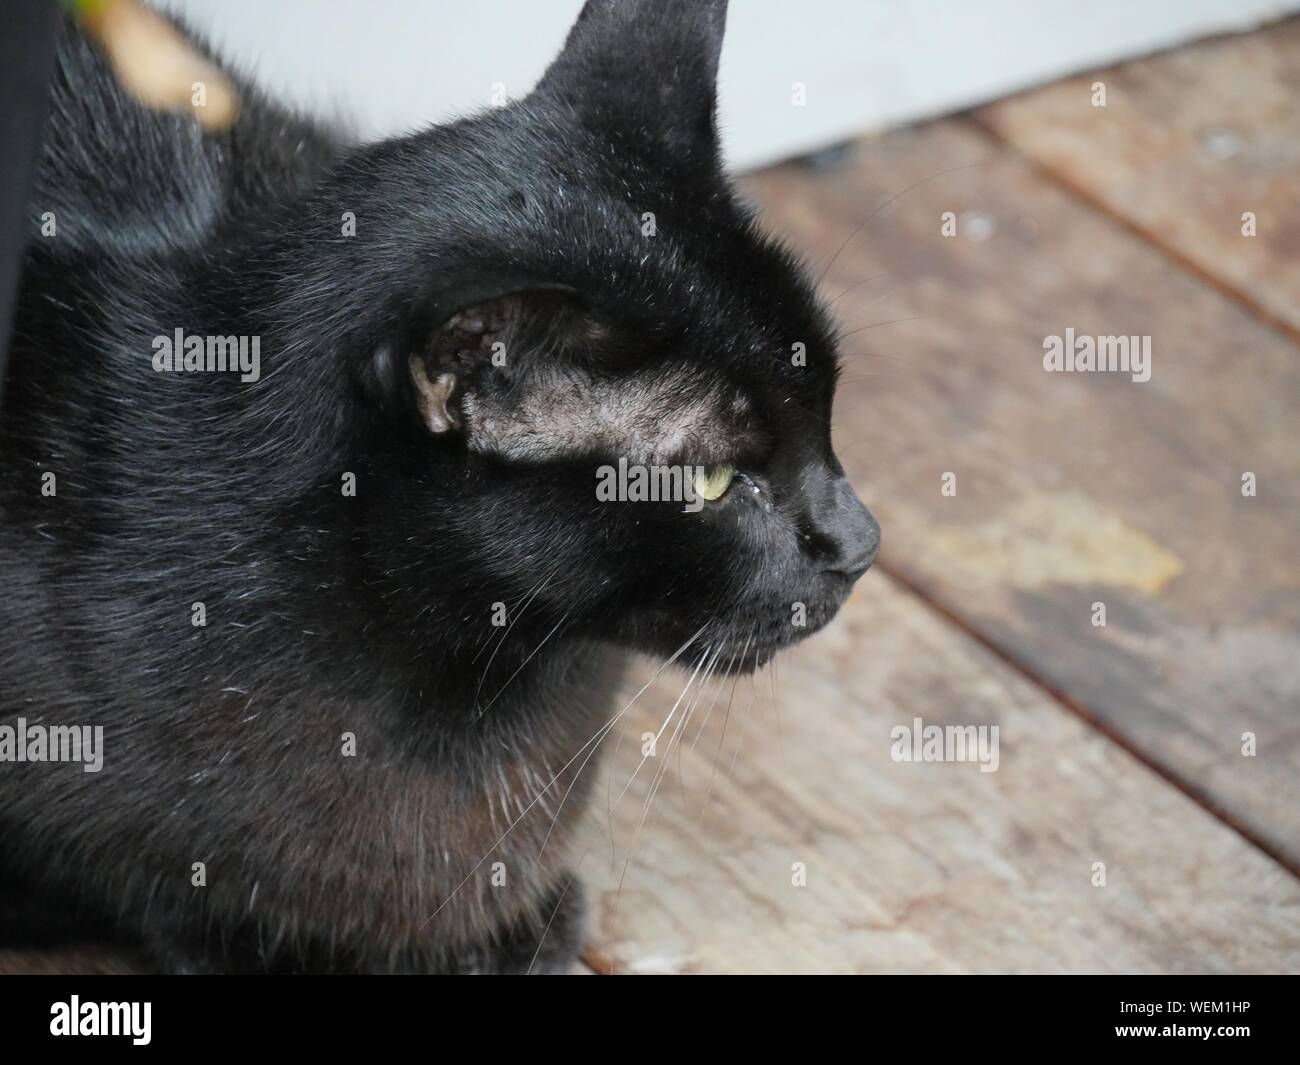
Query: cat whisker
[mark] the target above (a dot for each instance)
(574, 781)
(541, 942)
(506, 633)
(703, 724)
(875, 355)
(720, 677)
(854, 287)
(520, 668)
(596, 737)
(725, 722)
(877, 325)
(740, 735)
(709, 673)
(523, 604)
(776, 705)
(881, 298)
(618, 896)
(682, 725)
(863, 224)
(618, 745)
(660, 732)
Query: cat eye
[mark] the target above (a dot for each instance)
(712, 481)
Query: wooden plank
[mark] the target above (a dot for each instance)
(910, 867)
(1186, 144)
(66, 961)
(90, 960)
(1072, 488)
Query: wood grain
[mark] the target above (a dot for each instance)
(91, 961)
(1072, 489)
(1186, 144)
(67, 961)
(910, 867)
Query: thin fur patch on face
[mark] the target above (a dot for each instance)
(662, 417)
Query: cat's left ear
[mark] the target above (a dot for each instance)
(649, 67)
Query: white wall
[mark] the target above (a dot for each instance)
(394, 65)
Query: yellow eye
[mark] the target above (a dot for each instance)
(712, 481)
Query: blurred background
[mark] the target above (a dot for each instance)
(389, 66)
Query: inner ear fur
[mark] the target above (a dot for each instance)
(492, 344)
(455, 351)
(435, 397)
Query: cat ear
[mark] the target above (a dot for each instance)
(492, 344)
(435, 396)
(647, 65)
(457, 350)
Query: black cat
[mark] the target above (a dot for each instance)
(292, 427)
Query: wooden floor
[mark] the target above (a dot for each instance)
(1121, 744)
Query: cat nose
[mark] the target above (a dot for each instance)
(851, 533)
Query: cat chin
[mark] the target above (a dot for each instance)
(753, 660)
(729, 648)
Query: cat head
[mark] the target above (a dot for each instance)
(600, 390)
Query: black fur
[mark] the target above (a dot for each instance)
(370, 614)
